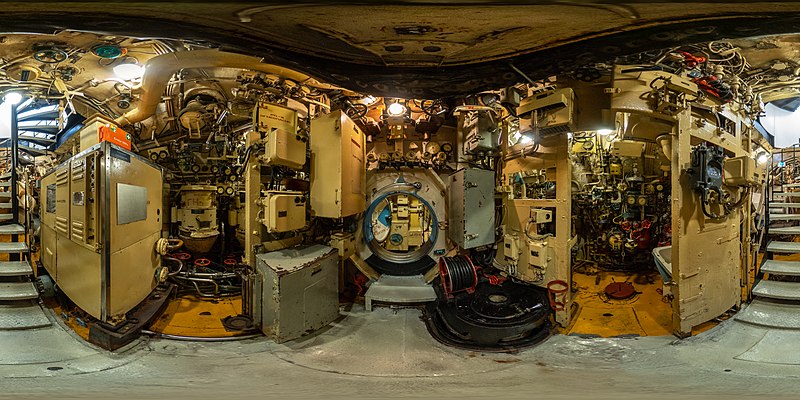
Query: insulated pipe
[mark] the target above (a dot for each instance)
(159, 70)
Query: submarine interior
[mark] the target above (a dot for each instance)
(515, 199)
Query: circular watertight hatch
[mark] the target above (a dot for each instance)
(493, 318)
(620, 290)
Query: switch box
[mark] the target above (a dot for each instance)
(284, 148)
(539, 216)
(284, 211)
(538, 257)
(742, 171)
(511, 247)
(471, 208)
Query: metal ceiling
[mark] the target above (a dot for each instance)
(419, 49)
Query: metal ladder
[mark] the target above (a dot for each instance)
(776, 293)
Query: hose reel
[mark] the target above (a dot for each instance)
(458, 274)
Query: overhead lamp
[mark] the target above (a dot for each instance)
(396, 109)
(605, 132)
(12, 97)
(525, 139)
(763, 158)
(128, 71)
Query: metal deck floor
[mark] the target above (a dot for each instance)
(388, 353)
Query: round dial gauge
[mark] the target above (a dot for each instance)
(433, 147)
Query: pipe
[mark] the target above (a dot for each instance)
(200, 338)
(159, 71)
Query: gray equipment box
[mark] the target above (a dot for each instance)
(471, 208)
(296, 291)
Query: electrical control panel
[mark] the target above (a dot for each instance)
(338, 166)
(472, 208)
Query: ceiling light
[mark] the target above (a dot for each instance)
(605, 132)
(396, 109)
(525, 139)
(128, 71)
(763, 158)
(12, 98)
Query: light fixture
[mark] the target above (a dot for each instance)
(396, 109)
(525, 139)
(763, 158)
(605, 132)
(128, 71)
(12, 98)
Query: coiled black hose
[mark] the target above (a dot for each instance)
(458, 274)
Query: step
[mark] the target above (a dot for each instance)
(5, 205)
(786, 194)
(783, 247)
(786, 230)
(770, 314)
(15, 268)
(12, 229)
(775, 204)
(18, 291)
(18, 247)
(777, 290)
(779, 267)
(5, 195)
(36, 139)
(791, 185)
(784, 217)
(6, 217)
(22, 316)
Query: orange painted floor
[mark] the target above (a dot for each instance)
(647, 313)
(191, 316)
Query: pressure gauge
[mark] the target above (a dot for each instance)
(631, 200)
(713, 172)
(642, 200)
(229, 191)
(659, 187)
(220, 190)
(447, 147)
(432, 147)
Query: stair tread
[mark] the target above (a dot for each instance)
(777, 290)
(12, 229)
(770, 314)
(6, 195)
(780, 267)
(785, 217)
(22, 316)
(18, 291)
(783, 204)
(791, 185)
(783, 247)
(15, 268)
(786, 194)
(786, 230)
(18, 247)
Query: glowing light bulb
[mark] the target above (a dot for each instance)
(763, 158)
(129, 71)
(525, 139)
(605, 132)
(396, 109)
(12, 98)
